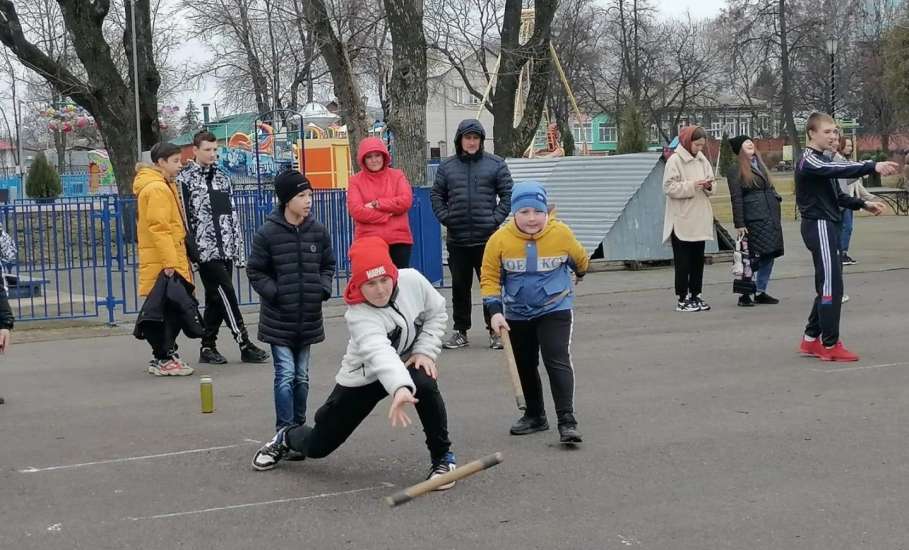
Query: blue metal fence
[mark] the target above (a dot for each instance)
(77, 256)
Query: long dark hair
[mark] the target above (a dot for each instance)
(745, 168)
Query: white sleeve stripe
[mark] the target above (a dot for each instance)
(814, 161)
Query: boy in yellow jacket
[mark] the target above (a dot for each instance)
(162, 248)
(526, 284)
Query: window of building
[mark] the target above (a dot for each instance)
(716, 130)
(582, 132)
(457, 95)
(608, 134)
(745, 126)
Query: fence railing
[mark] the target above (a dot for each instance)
(77, 256)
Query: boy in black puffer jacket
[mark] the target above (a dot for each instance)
(291, 267)
(6, 318)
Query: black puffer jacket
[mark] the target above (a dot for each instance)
(471, 195)
(757, 209)
(291, 268)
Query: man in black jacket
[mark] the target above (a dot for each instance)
(471, 197)
(6, 319)
(214, 229)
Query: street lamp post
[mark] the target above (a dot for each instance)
(132, 19)
(831, 51)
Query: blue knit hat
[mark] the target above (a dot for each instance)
(528, 194)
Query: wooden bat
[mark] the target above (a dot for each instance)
(431, 484)
(512, 367)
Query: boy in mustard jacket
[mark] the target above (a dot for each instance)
(162, 249)
(526, 284)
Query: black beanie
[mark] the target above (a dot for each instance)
(290, 183)
(736, 143)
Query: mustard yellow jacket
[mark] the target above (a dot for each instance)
(160, 228)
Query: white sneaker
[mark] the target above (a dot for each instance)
(169, 367)
(845, 298)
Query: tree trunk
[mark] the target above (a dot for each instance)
(104, 92)
(334, 52)
(788, 102)
(407, 91)
(511, 141)
(885, 143)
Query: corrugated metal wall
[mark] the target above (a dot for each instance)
(617, 199)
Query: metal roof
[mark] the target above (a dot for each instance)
(590, 193)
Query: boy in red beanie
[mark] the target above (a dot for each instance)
(396, 320)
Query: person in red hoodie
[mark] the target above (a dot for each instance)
(378, 199)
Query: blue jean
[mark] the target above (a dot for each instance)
(762, 279)
(291, 384)
(846, 235)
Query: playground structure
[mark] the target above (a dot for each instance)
(552, 149)
(311, 141)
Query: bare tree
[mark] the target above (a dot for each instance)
(102, 91)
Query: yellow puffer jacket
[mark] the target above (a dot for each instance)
(160, 228)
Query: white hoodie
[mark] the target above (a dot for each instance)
(417, 311)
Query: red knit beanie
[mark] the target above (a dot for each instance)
(369, 259)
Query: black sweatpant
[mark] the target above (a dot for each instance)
(463, 262)
(549, 335)
(347, 407)
(400, 254)
(822, 237)
(688, 260)
(163, 336)
(221, 302)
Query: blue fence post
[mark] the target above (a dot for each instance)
(110, 301)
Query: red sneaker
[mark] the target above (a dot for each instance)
(837, 353)
(811, 348)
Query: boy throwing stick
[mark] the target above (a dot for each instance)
(396, 320)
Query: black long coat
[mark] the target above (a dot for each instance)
(757, 208)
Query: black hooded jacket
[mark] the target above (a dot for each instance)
(292, 269)
(471, 195)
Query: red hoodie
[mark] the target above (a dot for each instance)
(392, 195)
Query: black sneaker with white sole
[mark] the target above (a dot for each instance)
(687, 306)
(268, 456)
(702, 305)
(495, 342)
(211, 356)
(457, 340)
(848, 260)
(442, 467)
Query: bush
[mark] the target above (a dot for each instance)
(43, 180)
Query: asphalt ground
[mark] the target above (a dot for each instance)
(702, 431)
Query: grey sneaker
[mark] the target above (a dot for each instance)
(495, 342)
(687, 306)
(268, 456)
(457, 340)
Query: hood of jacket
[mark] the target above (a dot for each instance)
(469, 126)
(147, 174)
(372, 145)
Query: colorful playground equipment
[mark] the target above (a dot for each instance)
(311, 141)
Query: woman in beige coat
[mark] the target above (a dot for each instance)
(688, 222)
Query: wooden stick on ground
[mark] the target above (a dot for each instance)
(431, 484)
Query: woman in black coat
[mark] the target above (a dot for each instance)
(756, 213)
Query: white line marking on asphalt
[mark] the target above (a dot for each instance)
(884, 366)
(32, 469)
(384, 485)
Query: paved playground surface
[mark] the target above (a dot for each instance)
(702, 431)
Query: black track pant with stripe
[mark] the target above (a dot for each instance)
(548, 335)
(221, 303)
(822, 237)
